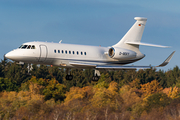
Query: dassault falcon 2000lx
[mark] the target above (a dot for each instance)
(88, 57)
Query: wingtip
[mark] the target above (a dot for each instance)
(167, 60)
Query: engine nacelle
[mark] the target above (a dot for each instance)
(121, 54)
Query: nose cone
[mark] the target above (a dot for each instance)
(13, 55)
(10, 55)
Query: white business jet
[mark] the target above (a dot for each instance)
(88, 57)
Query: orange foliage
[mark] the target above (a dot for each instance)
(150, 88)
(12, 101)
(23, 113)
(166, 90)
(34, 88)
(109, 96)
(79, 93)
(172, 92)
(113, 87)
(129, 95)
(135, 83)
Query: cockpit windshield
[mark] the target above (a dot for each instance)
(27, 47)
(20, 46)
(24, 47)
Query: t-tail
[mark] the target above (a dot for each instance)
(132, 39)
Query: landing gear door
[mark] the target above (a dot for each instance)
(43, 53)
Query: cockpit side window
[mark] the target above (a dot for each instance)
(24, 46)
(29, 47)
(33, 47)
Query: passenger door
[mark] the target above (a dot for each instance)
(43, 53)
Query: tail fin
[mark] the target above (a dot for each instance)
(133, 35)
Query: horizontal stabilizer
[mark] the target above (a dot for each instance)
(146, 44)
(167, 60)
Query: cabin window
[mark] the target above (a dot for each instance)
(29, 47)
(24, 46)
(62, 51)
(33, 47)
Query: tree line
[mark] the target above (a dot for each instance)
(44, 93)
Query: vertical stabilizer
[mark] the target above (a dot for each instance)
(133, 35)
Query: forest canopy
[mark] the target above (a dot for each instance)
(44, 93)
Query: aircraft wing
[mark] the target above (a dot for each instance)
(77, 64)
(121, 67)
(108, 67)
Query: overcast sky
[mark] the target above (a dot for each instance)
(93, 22)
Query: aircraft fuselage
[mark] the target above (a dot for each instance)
(63, 55)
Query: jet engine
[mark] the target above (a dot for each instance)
(121, 54)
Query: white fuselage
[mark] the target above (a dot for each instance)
(63, 55)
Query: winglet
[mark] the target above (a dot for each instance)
(167, 60)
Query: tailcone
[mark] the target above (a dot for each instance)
(140, 56)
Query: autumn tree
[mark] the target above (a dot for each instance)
(54, 90)
(107, 96)
(173, 92)
(150, 88)
(135, 83)
(156, 100)
(131, 97)
(84, 93)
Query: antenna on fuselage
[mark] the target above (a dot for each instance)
(60, 41)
